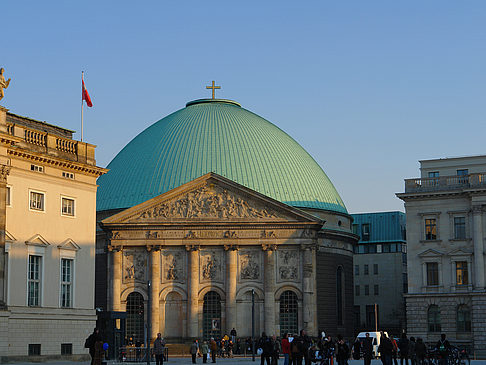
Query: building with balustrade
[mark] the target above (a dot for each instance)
(446, 226)
(47, 254)
(210, 205)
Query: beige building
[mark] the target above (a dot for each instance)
(446, 227)
(47, 255)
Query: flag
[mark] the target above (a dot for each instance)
(86, 96)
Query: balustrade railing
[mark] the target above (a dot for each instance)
(66, 145)
(10, 129)
(445, 183)
(34, 137)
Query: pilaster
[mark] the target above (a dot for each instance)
(4, 171)
(309, 293)
(192, 292)
(269, 288)
(478, 247)
(116, 274)
(155, 288)
(231, 259)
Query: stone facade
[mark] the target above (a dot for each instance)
(47, 220)
(446, 224)
(215, 238)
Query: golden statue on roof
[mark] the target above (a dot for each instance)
(3, 84)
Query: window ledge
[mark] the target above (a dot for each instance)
(430, 241)
(460, 239)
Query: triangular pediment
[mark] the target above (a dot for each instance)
(460, 252)
(210, 198)
(69, 244)
(37, 240)
(9, 237)
(431, 253)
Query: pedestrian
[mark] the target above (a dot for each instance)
(420, 351)
(411, 351)
(342, 351)
(296, 350)
(443, 346)
(159, 347)
(286, 348)
(357, 349)
(265, 344)
(193, 351)
(233, 335)
(306, 342)
(213, 346)
(395, 351)
(367, 349)
(385, 349)
(403, 346)
(276, 349)
(90, 343)
(204, 351)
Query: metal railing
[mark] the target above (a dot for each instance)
(442, 183)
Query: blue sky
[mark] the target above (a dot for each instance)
(368, 88)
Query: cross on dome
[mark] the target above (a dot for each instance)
(213, 88)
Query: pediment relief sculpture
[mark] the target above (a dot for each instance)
(134, 265)
(210, 265)
(173, 267)
(209, 201)
(250, 266)
(288, 265)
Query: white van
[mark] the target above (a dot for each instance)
(375, 336)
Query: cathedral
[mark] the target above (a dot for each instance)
(210, 208)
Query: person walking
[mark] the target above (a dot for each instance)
(403, 346)
(306, 342)
(213, 346)
(367, 349)
(159, 347)
(443, 346)
(411, 351)
(193, 351)
(204, 351)
(296, 350)
(420, 351)
(233, 335)
(90, 343)
(385, 349)
(357, 349)
(276, 349)
(395, 351)
(286, 348)
(342, 351)
(265, 344)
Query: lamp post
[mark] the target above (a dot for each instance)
(253, 324)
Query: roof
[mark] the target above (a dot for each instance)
(383, 226)
(213, 135)
(37, 124)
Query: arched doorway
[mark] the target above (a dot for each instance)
(135, 318)
(173, 315)
(289, 310)
(211, 315)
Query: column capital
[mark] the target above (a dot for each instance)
(230, 247)
(269, 247)
(4, 172)
(192, 248)
(477, 209)
(112, 248)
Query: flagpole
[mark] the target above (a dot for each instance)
(82, 91)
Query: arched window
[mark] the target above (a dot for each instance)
(289, 313)
(433, 318)
(463, 318)
(135, 318)
(339, 295)
(211, 315)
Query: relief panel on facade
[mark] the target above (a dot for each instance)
(288, 265)
(173, 266)
(250, 265)
(135, 265)
(211, 265)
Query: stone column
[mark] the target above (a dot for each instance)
(116, 274)
(193, 293)
(155, 288)
(478, 247)
(308, 284)
(231, 267)
(269, 290)
(4, 171)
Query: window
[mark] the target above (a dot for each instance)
(462, 277)
(463, 173)
(459, 228)
(36, 201)
(372, 316)
(433, 318)
(135, 317)
(463, 318)
(356, 270)
(67, 206)
(385, 248)
(34, 349)
(433, 174)
(365, 232)
(376, 290)
(36, 168)
(367, 290)
(68, 175)
(66, 348)
(7, 196)
(432, 273)
(405, 282)
(66, 283)
(357, 316)
(356, 290)
(375, 269)
(366, 270)
(288, 313)
(34, 280)
(356, 229)
(430, 229)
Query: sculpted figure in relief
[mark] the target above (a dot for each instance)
(250, 269)
(210, 267)
(172, 270)
(288, 265)
(3, 84)
(134, 265)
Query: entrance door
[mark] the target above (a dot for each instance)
(289, 313)
(212, 315)
(135, 319)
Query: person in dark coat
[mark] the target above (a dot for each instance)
(159, 347)
(367, 349)
(342, 351)
(420, 351)
(443, 346)
(411, 351)
(266, 345)
(91, 344)
(357, 349)
(385, 349)
(306, 343)
(403, 345)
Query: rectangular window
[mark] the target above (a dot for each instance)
(7, 196)
(66, 348)
(36, 168)
(376, 290)
(356, 290)
(366, 270)
(463, 175)
(68, 175)
(356, 270)
(386, 248)
(405, 282)
(433, 174)
(430, 229)
(375, 269)
(36, 201)
(34, 349)
(34, 281)
(462, 277)
(371, 319)
(367, 290)
(67, 206)
(459, 228)
(365, 232)
(432, 273)
(356, 229)
(66, 283)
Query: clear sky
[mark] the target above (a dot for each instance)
(368, 88)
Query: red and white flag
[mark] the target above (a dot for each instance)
(86, 96)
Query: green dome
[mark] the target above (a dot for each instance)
(213, 135)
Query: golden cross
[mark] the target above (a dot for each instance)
(213, 87)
